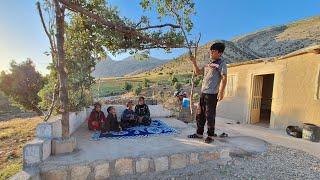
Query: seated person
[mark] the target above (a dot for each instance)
(128, 118)
(112, 123)
(142, 112)
(97, 118)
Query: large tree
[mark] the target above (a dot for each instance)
(110, 31)
(22, 85)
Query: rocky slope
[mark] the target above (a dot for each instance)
(273, 41)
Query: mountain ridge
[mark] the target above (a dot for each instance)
(268, 42)
(129, 65)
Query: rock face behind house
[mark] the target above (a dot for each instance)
(269, 42)
(283, 39)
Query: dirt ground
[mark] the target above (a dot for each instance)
(14, 133)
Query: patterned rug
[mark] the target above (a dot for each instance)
(156, 128)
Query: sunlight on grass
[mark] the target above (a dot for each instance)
(13, 136)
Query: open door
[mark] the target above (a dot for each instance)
(256, 99)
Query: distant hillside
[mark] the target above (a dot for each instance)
(273, 41)
(111, 68)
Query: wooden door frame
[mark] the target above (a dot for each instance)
(248, 116)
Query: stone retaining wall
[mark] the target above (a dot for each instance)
(36, 151)
(130, 166)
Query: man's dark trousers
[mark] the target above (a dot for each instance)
(207, 113)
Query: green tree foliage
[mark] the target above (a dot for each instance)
(137, 90)
(127, 86)
(198, 81)
(22, 85)
(46, 93)
(173, 79)
(179, 10)
(146, 82)
(177, 86)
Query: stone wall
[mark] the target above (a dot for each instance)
(47, 138)
(105, 169)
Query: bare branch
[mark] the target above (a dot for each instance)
(159, 26)
(53, 102)
(51, 41)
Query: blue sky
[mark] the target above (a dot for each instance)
(22, 36)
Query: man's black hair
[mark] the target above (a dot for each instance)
(109, 109)
(141, 97)
(219, 46)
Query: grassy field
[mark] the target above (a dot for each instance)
(115, 85)
(13, 135)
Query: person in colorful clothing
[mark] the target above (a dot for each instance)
(96, 119)
(142, 112)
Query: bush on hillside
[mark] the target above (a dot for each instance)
(198, 81)
(173, 80)
(146, 82)
(177, 86)
(127, 86)
(137, 90)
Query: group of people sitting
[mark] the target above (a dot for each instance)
(129, 118)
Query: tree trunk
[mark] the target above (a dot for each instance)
(61, 67)
(191, 95)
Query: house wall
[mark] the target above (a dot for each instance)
(294, 102)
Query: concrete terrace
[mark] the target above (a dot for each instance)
(270, 135)
(111, 149)
(109, 158)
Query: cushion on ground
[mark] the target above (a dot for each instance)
(156, 128)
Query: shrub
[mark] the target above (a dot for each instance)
(146, 82)
(127, 86)
(173, 80)
(198, 81)
(137, 89)
(177, 86)
(196, 96)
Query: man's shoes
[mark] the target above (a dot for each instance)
(208, 140)
(195, 136)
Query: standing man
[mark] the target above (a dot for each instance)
(213, 85)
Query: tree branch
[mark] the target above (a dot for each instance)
(159, 26)
(53, 102)
(52, 43)
(116, 27)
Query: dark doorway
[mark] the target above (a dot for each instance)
(266, 100)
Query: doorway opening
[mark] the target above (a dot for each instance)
(262, 99)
